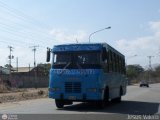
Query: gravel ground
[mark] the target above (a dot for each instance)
(23, 94)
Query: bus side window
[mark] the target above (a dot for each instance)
(110, 61)
(105, 60)
(113, 61)
(118, 63)
(104, 54)
(114, 70)
(119, 67)
(123, 66)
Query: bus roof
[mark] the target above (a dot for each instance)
(77, 47)
(114, 50)
(84, 47)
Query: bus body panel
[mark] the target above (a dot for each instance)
(77, 83)
(86, 84)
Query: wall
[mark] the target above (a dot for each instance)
(24, 81)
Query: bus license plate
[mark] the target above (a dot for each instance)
(72, 97)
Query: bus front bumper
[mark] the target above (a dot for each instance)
(87, 96)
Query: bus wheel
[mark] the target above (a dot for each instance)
(59, 103)
(118, 99)
(103, 103)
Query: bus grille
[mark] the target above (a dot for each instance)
(72, 87)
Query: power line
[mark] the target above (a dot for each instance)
(23, 16)
(17, 36)
(36, 32)
(14, 41)
(21, 34)
(20, 15)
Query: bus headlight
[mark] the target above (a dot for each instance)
(92, 90)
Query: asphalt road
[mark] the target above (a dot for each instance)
(137, 101)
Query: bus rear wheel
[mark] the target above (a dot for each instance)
(118, 99)
(59, 103)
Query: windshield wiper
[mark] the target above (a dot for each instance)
(65, 68)
(67, 65)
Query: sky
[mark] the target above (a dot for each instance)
(135, 27)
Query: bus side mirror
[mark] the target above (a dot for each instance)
(104, 54)
(48, 54)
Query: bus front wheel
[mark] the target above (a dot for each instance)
(103, 103)
(59, 103)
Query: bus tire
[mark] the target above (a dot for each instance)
(118, 99)
(59, 103)
(103, 103)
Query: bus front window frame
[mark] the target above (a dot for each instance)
(83, 59)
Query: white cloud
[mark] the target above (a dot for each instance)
(25, 54)
(155, 25)
(64, 36)
(142, 46)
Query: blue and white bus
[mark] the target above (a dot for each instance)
(86, 72)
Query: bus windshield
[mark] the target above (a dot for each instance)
(80, 60)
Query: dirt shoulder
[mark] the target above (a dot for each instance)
(23, 94)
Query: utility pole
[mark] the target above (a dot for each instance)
(34, 48)
(150, 61)
(10, 61)
(150, 67)
(159, 54)
(29, 72)
(17, 63)
(10, 57)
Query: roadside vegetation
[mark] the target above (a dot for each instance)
(136, 73)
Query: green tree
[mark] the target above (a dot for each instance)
(133, 71)
(157, 69)
(44, 68)
(8, 66)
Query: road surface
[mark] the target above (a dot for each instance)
(137, 101)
